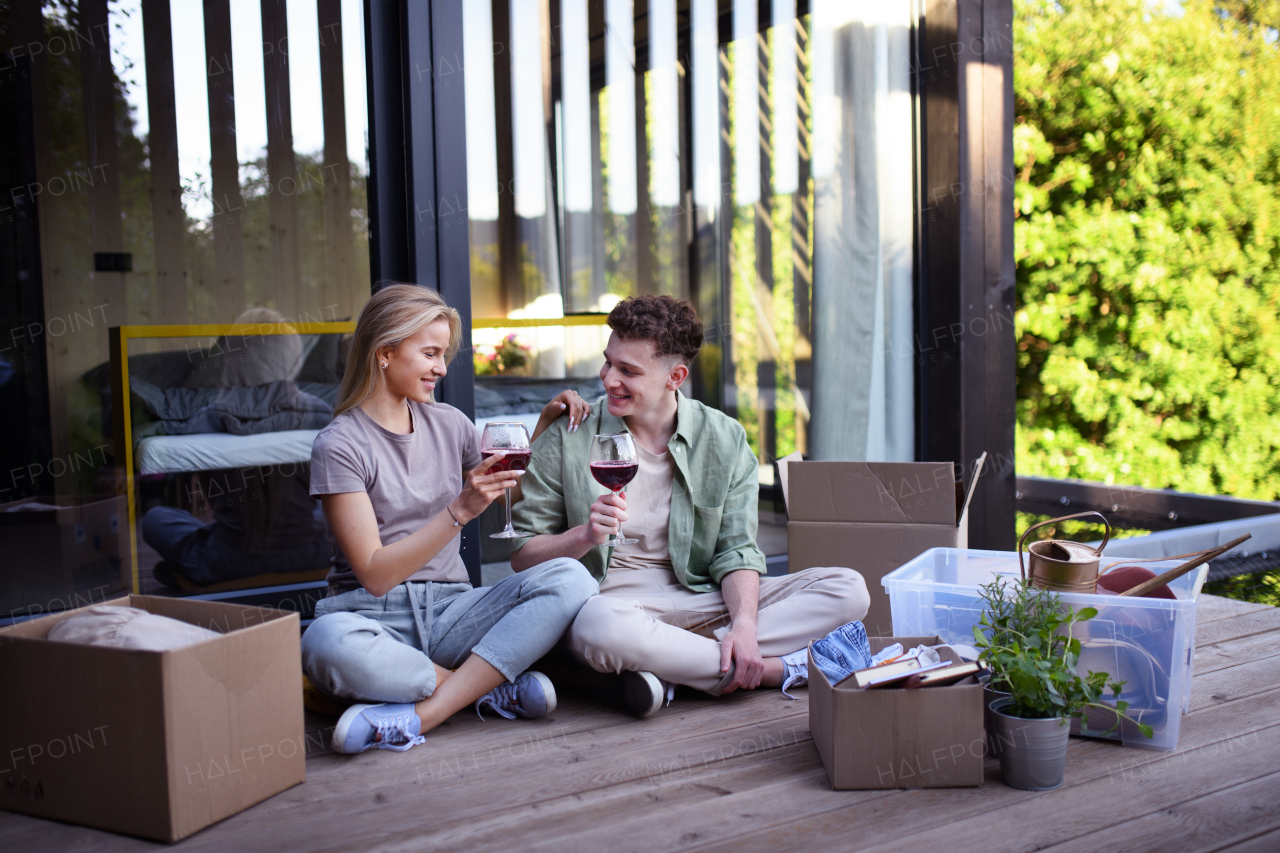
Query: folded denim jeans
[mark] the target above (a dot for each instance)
(842, 652)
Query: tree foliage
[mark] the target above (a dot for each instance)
(1147, 149)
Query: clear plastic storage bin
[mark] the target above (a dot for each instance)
(1146, 642)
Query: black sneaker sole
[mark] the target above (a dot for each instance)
(642, 693)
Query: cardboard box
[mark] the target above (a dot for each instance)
(156, 744)
(70, 550)
(872, 517)
(892, 737)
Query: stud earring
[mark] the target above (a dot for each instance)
(384, 365)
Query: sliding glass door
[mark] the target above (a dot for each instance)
(754, 158)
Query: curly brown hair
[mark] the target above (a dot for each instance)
(671, 324)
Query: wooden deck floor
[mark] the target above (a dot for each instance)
(741, 774)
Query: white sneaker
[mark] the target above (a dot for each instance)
(796, 672)
(643, 692)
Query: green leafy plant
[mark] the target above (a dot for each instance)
(1026, 639)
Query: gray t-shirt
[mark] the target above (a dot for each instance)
(409, 478)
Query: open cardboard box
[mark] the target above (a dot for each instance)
(156, 744)
(872, 517)
(892, 737)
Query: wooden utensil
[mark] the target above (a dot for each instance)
(1177, 572)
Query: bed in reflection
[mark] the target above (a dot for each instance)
(220, 443)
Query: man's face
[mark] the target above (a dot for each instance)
(636, 380)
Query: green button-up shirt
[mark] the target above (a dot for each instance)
(714, 494)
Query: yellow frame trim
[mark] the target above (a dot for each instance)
(210, 330)
(541, 322)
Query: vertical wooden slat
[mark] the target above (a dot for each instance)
(767, 365)
(419, 62)
(938, 390)
(989, 301)
(97, 82)
(388, 205)
(801, 222)
(965, 342)
(595, 32)
(281, 164)
(508, 227)
(336, 172)
(228, 204)
(643, 228)
(723, 229)
(168, 224)
(550, 72)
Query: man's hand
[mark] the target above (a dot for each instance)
(741, 591)
(739, 646)
(607, 515)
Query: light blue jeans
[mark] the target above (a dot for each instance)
(380, 649)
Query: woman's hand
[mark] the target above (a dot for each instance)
(483, 488)
(566, 403)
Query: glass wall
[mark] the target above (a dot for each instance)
(170, 164)
(754, 158)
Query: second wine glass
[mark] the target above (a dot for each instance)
(512, 440)
(614, 463)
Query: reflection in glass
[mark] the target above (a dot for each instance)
(192, 166)
(766, 177)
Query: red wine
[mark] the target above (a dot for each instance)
(614, 475)
(515, 460)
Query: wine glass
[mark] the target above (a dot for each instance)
(614, 464)
(512, 440)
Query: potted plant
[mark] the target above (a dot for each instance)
(1012, 610)
(1031, 653)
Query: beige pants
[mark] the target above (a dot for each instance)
(643, 619)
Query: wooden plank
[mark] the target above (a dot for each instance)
(1211, 608)
(1257, 622)
(1026, 820)
(802, 795)
(642, 800)
(1234, 652)
(1267, 842)
(1200, 824)
(589, 777)
(1237, 682)
(394, 793)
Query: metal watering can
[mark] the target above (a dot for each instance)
(1063, 566)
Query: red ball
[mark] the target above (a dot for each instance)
(1127, 577)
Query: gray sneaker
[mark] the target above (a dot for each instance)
(795, 670)
(643, 692)
(388, 726)
(531, 695)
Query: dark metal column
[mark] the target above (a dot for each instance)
(388, 206)
(966, 365)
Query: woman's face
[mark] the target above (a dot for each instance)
(415, 367)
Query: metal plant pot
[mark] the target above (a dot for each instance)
(1033, 753)
(988, 721)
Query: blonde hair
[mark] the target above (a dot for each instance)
(394, 313)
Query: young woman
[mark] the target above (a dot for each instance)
(397, 475)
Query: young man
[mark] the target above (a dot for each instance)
(687, 604)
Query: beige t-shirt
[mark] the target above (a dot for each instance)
(409, 478)
(648, 513)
